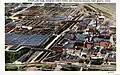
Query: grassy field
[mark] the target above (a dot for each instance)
(111, 6)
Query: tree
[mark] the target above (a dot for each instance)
(11, 68)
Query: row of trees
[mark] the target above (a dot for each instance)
(11, 68)
(10, 57)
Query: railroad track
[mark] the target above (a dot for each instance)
(35, 55)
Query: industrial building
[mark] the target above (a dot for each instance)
(62, 36)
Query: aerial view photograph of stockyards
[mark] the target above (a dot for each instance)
(60, 37)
